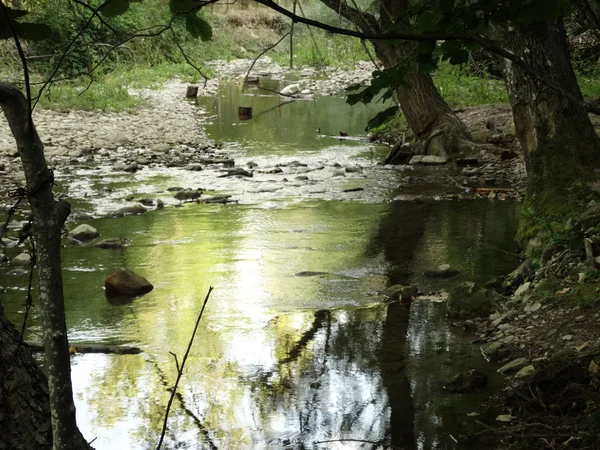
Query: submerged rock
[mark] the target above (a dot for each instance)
(188, 195)
(22, 260)
(494, 351)
(403, 293)
(125, 282)
(467, 381)
(468, 300)
(130, 210)
(443, 271)
(84, 232)
(514, 365)
(308, 273)
(110, 243)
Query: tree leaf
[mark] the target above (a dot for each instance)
(198, 27)
(33, 31)
(460, 56)
(382, 117)
(425, 22)
(184, 6)
(114, 8)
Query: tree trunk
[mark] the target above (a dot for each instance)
(48, 218)
(560, 145)
(24, 406)
(429, 117)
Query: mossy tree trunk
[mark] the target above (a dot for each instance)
(560, 145)
(49, 216)
(24, 402)
(429, 117)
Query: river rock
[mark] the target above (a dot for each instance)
(110, 243)
(125, 282)
(160, 148)
(525, 372)
(148, 202)
(120, 166)
(22, 260)
(468, 300)
(188, 195)
(133, 167)
(236, 171)
(290, 89)
(443, 271)
(3, 258)
(494, 351)
(130, 210)
(514, 365)
(18, 271)
(431, 160)
(467, 381)
(160, 204)
(84, 232)
(403, 293)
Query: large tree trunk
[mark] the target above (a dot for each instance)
(429, 117)
(24, 406)
(561, 148)
(49, 216)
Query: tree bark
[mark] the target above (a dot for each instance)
(429, 117)
(24, 403)
(49, 216)
(560, 145)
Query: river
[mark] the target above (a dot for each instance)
(280, 361)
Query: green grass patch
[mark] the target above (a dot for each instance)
(460, 87)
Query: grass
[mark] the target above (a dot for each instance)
(460, 87)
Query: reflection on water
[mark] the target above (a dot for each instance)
(280, 361)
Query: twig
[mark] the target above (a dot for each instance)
(180, 369)
(258, 57)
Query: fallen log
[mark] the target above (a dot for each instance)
(91, 348)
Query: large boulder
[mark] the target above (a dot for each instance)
(126, 283)
(84, 232)
(23, 260)
(468, 300)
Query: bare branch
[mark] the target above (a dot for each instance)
(180, 369)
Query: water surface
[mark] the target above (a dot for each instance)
(280, 361)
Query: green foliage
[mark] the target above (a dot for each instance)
(12, 19)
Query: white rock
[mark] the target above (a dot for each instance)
(525, 372)
(24, 259)
(84, 232)
(515, 364)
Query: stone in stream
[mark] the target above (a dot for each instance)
(514, 365)
(127, 283)
(159, 204)
(110, 244)
(469, 300)
(467, 381)
(84, 232)
(146, 201)
(188, 195)
(3, 258)
(22, 260)
(308, 273)
(132, 210)
(405, 294)
(222, 199)
(236, 171)
(443, 271)
(290, 89)
(494, 351)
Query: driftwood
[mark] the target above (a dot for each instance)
(91, 348)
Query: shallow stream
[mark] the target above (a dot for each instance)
(280, 361)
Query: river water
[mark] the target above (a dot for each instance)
(280, 361)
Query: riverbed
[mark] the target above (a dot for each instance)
(280, 361)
